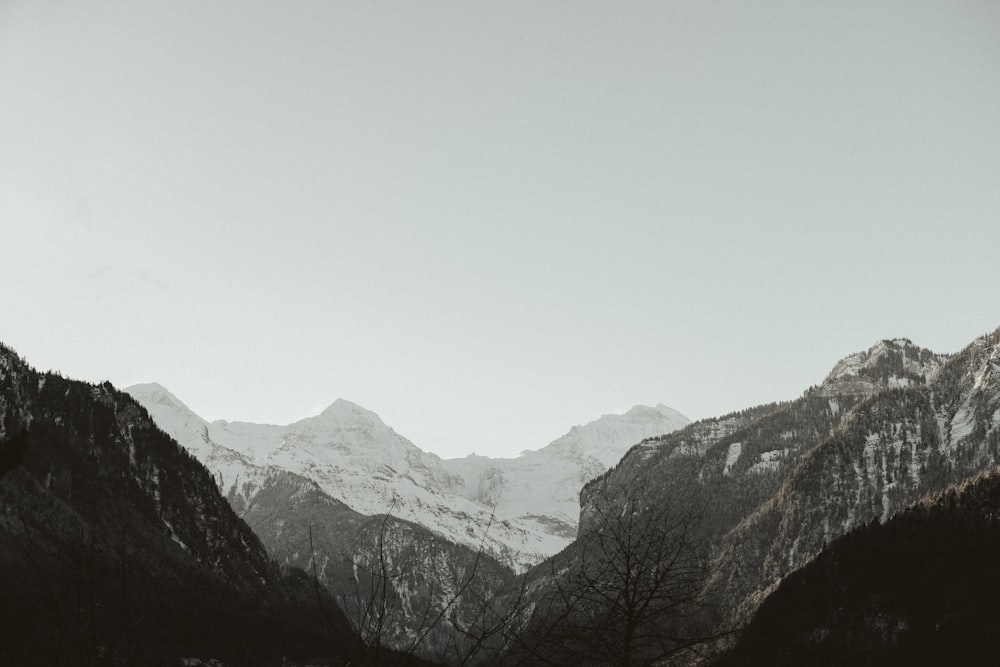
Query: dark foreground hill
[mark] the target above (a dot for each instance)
(116, 547)
(921, 589)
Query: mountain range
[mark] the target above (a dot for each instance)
(521, 510)
(133, 529)
(345, 488)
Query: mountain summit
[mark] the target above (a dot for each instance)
(598, 439)
(156, 393)
(887, 363)
(344, 410)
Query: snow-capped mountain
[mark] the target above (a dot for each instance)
(353, 457)
(357, 459)
(542, 487)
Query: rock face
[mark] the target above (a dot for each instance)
(520, 510)
(116, 545)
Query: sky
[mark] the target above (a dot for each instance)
(487, 221)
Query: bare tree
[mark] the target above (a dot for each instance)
(630, 593)
(388, 626)
(372, 612)
(483, 635)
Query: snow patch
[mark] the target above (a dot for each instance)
(732, 456)
(173, 535)
(962, 424)
(769, 461)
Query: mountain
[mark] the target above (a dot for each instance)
(896, 446)
(764, 513)
(352, 456)
(918, 589)
(116, 546)
(774, 485)
(520, 510)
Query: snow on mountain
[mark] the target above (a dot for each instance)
(356, 458)
(542, 487)
(234, 471)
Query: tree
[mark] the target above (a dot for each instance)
(490, 628)
(631, 594)
(394, 622)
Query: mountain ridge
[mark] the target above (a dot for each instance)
(744, 459)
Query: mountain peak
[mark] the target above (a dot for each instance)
(344, 410)
(595, 438)
(890, 362)
(652, 412)
(150, 388)
(154, 392)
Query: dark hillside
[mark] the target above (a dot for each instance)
(116, 547)
(921, 589)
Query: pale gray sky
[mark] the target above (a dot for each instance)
(488, 222)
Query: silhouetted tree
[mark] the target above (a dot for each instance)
(632, 594)
(378, 612)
